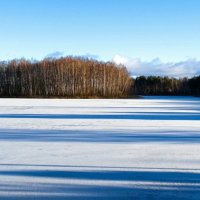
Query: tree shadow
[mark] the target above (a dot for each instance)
(100, 136)
(101, 184)
(115, 116)
(101, 175)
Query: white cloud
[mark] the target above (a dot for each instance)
(59, 54)
(137, 67)
(56, 54)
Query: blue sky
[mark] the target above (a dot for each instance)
(168, 30)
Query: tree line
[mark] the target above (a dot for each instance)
(64, 77)
(82, 77)
(156, 85)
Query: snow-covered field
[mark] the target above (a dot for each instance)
(100, 149)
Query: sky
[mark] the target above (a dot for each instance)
(158, 37)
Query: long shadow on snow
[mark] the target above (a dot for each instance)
(107, 175)
(129, 184)
(100, 136)
(124, 116)
(63, 191)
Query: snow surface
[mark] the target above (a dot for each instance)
(100, 149)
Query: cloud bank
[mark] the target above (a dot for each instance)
(59, 54)
(156, 67)
(56, 54)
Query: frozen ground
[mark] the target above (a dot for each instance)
(100, 149)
